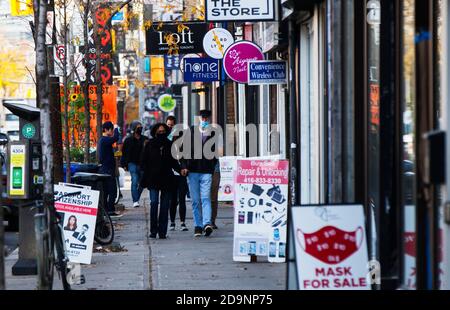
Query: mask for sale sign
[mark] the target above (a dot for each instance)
(331, 247)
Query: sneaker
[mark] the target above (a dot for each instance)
(198, 232)
(214, 226)
(136, 205)
(172, 226)
(208, 230)
(162, 237)
(153, 236)
(114, 215)
(183, 227)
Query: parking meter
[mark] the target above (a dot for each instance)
(25, 182)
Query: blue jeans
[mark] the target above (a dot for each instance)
(158, 224)
(136, 175)
(200, 189)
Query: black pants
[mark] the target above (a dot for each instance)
(158, 222)
(178, 197)
(109, 191)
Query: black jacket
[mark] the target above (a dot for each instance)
(202, 165)
(157, 164)
(132, 150)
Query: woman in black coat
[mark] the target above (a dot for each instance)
(157, 164)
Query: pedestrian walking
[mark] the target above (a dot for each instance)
(107, 161)
(157, 164)
(179, 187)
(131, 155)
(200, 170)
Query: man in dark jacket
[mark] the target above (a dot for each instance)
(107, 161)
(157, 164)
(131, 155)
(200, 170)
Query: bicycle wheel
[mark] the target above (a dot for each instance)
(104, 229)
(44, 252)
(61, 259)
(117, 198)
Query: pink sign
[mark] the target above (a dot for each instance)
(237, 56)
(263, 172)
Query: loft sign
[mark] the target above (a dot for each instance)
(187, 39)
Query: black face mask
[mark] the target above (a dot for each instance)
(139, 130)
(161, 136)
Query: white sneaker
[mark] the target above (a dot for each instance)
(136, 205)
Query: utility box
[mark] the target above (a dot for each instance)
(25, 182)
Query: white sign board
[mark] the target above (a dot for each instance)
(227, 170)
(260, 216)
(216, 42)
(239, 10)
(331, 247)
(78, 217)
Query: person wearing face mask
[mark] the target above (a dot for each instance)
(131, 153)
(157, 165)
(200, 170)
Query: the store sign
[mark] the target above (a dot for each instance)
(166, 103)
(176, 39)
(78, 217)
(260, 204)
(216, 42)
(267, 72)
(201, 70)
(227, 168)
(237, 57)
(331, 247)
(239, 10)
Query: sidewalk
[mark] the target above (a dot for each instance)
(180, 262)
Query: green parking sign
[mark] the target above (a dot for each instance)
(29, 131)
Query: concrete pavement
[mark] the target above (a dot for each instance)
(180, 262)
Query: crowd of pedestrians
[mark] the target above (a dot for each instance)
(157, 163)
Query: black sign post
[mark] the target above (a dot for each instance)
(161, 40)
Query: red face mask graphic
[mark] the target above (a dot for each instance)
(410, 244)
(331, 245)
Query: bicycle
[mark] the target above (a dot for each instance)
(50, 239)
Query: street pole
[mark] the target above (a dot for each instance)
(2, 247)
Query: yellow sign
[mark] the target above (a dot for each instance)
(17, 170)
(157, 70)
(21, 7)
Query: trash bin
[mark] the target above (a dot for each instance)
(80, 167)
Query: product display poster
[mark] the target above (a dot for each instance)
(260, 216)
(78, 216)
(331, 247)
(227, 169)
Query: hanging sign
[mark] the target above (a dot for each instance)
(260, 203)
(172, 62)
(237, 57)
(267, 72)
(173, 39)
(216, 42)
(331, 247)
(239, 10)
(201, 70)
(166, 103)
(78, 217)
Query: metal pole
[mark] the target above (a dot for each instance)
(2, 249)
(293, 138)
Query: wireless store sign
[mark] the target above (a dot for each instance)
(331, 248)
(260, 219)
